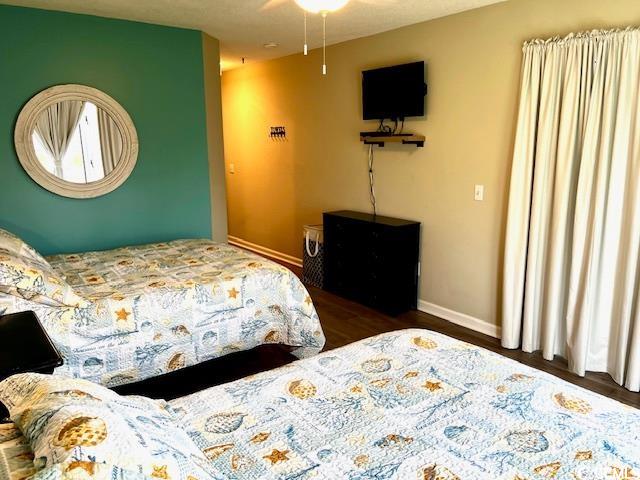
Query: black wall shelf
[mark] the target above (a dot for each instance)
(417, 140)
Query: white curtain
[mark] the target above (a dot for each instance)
(55, 127)
(110, 141)
(572, 264)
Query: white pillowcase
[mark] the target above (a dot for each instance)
(20, 248)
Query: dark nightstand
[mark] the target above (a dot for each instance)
(25, 347)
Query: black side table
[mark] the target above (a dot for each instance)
(25, 347)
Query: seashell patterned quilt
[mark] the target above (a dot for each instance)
(151, 309)
(411, 404)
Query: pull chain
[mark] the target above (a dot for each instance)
(306, 50)
(324, 43)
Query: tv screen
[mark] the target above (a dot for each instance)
(393, 92)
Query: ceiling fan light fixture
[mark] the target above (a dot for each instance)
(321, 6)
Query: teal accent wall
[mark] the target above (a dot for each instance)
(156, 74)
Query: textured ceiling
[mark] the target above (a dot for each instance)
(244, 26)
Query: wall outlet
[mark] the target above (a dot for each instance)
(479, 193)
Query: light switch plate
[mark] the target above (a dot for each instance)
(479, 193)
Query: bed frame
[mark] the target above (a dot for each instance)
(210, 373)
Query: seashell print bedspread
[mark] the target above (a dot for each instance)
(152, 309)
(411, 404)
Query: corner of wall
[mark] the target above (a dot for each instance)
(213, 107)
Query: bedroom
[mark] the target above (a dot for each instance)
(160, 65)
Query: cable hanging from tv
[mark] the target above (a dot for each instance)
(372, 190)
(387, 130)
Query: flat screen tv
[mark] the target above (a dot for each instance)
(393, 92)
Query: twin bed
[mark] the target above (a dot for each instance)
(124, 315)
(410, 404)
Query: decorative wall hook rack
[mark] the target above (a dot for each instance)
(278, 132)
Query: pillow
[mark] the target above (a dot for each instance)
(16, 463)
(16, 459)
(19, 248)
(71, 423)
(35, 281)
(88, 471)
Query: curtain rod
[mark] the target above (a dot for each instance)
(580, 35)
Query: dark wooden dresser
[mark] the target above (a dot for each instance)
(373, 260)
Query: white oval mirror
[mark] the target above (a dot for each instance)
(76, 141)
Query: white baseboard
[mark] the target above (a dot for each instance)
(461, 319)
(452, 316)
(283, 257)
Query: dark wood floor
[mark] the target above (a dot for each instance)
(345, 322)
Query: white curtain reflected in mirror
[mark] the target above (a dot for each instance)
(77, 141)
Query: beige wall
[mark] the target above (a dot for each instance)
(213, 106)
(473, 70)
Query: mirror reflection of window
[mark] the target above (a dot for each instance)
(76, 141)
(82, 160)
